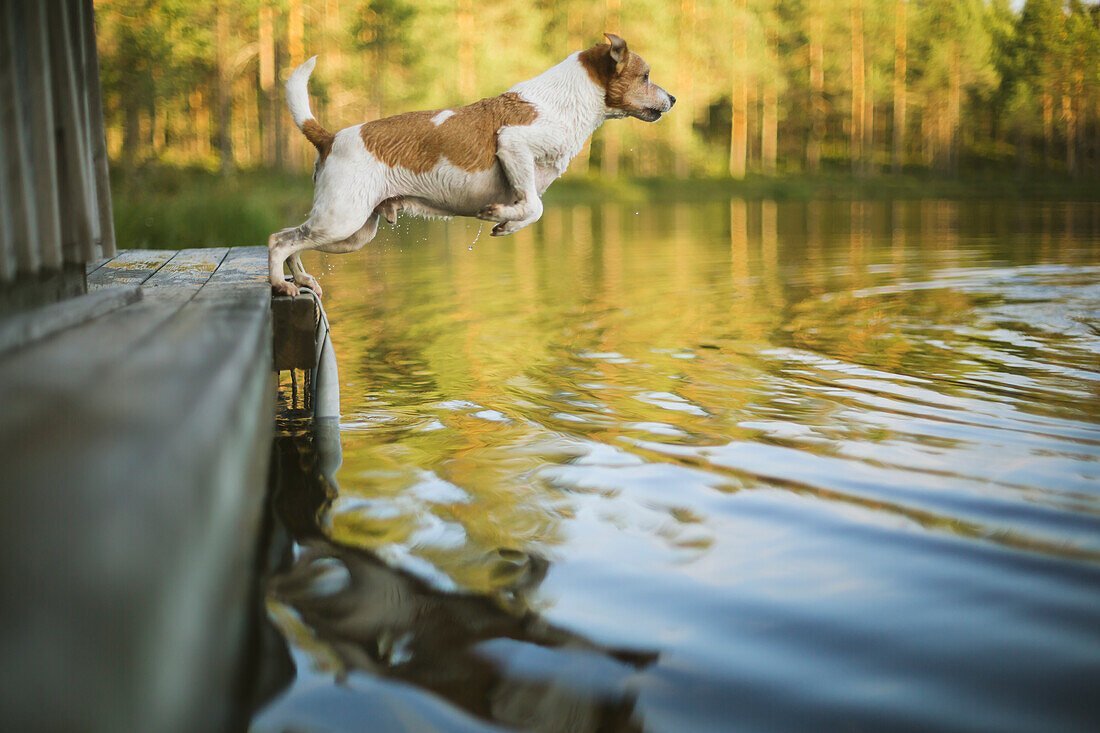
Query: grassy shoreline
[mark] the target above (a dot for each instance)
(177, 208)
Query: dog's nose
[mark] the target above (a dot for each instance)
(671, 101)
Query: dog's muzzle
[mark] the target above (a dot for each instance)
(652, 114)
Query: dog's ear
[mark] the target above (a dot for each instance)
(618, 51)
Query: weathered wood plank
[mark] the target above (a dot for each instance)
(130, 267)
(7, 238)
(242, 264)
(188, 268)
(24, 328)
(97, 134)
(80, 222)
(95, 264)
(44, 142)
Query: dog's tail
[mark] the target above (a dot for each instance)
(297, 98)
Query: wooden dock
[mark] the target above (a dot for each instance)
(135, 441)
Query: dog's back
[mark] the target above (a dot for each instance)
(465, 136)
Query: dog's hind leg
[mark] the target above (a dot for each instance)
(281, 245)
(290, 243)
(302, 278)
(355, 241)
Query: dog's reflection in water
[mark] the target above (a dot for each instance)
(493, 658)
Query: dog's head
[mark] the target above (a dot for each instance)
(624, 76)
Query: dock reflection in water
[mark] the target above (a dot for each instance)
(353, 618)
(692, 467)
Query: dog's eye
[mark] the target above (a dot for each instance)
(645, 79)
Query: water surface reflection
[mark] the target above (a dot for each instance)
(348, 615)
(835, 463)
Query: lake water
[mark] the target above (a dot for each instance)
(726, 466)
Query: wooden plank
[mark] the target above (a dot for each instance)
(21, 329)
(131, 267)
(188, 268)
(95, 264)
(242, 265)
(135, 449)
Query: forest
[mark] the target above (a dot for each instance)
(768, 87)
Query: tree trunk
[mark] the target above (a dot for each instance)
(752, 122)
(612, 140)
(739, 101)
(281, 117)
(1048, 129)
(267, 83)
(817, 92)
(224, 79)
(466, 34)
(295, 42)
(1071, 105)
(1023, 151)
(769, 113)
(954, 114)
(901, 37)
(858, 89)
(1071, 134)
(684, 88)
(927, 136)
(131, 140)
(334, 62)
(869, 123)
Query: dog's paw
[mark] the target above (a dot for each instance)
(308, 281)
(494, 212)
(284, 287)
(388, 209)
(505, 228)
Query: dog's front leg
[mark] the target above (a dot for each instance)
(518, 162)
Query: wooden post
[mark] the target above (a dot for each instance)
(20, 250)
(96, 136)
(54, 190)
(80, 225)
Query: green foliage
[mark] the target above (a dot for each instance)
(165, 208)
(988, 83)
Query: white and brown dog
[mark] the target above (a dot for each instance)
(492, 159)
